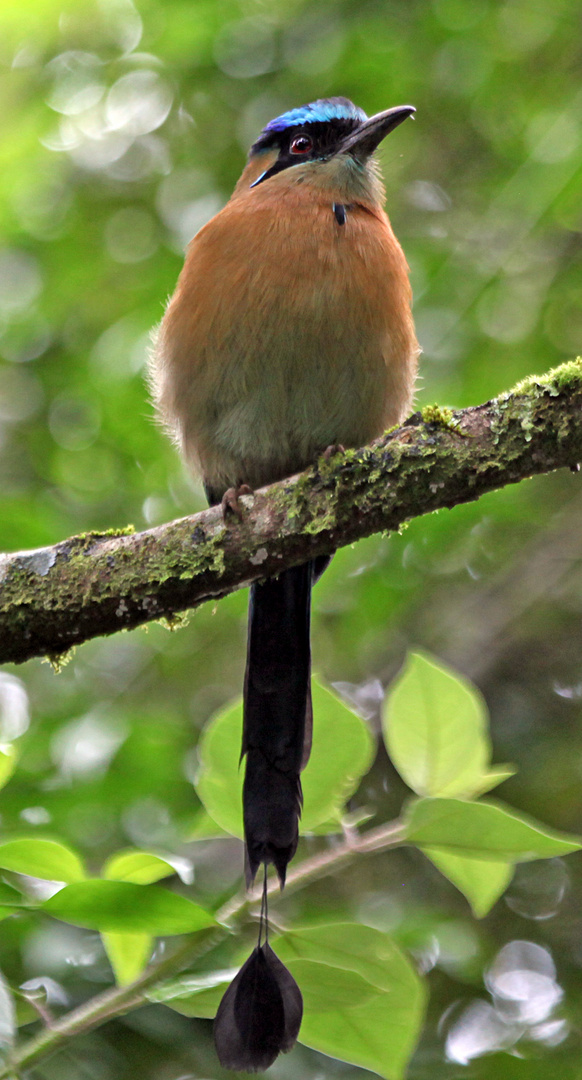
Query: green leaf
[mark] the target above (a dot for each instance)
(7, 1016)
(375, 1036)
(351, 947)
(342, 752)
(141, 867)
(128, 954)
(435, 727)
(378, 1033)
(121, 906)
(364, 1001)
(483, 830)
(482, 882)
(219, 784)
(8, 762)
(492, 779)
(43, 859)
(10, 896)
(325, 987)
(25, 1013)
(194, 995)
(203, 827)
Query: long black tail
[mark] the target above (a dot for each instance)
(277, 716)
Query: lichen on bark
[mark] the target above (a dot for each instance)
(57, 597)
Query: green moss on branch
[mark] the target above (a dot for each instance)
(57, 597)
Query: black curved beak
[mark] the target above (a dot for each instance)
(362, 142)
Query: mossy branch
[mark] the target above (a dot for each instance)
(54, 598)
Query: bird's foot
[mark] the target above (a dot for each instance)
(230, 500)
(331, 451)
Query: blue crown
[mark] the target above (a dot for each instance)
(318, 112)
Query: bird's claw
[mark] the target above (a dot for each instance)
(230, 500)
(332, 450)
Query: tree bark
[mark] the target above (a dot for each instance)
(56, 597)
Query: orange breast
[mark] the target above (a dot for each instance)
(287, 332)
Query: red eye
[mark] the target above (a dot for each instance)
(301, 144)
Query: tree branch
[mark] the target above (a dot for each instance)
(121, 999)
(95, 584)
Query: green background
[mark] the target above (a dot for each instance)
(123, 128)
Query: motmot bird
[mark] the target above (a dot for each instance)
(290, 331)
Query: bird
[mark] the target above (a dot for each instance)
(289, 334)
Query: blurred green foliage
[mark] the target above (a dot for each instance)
(124, 127)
